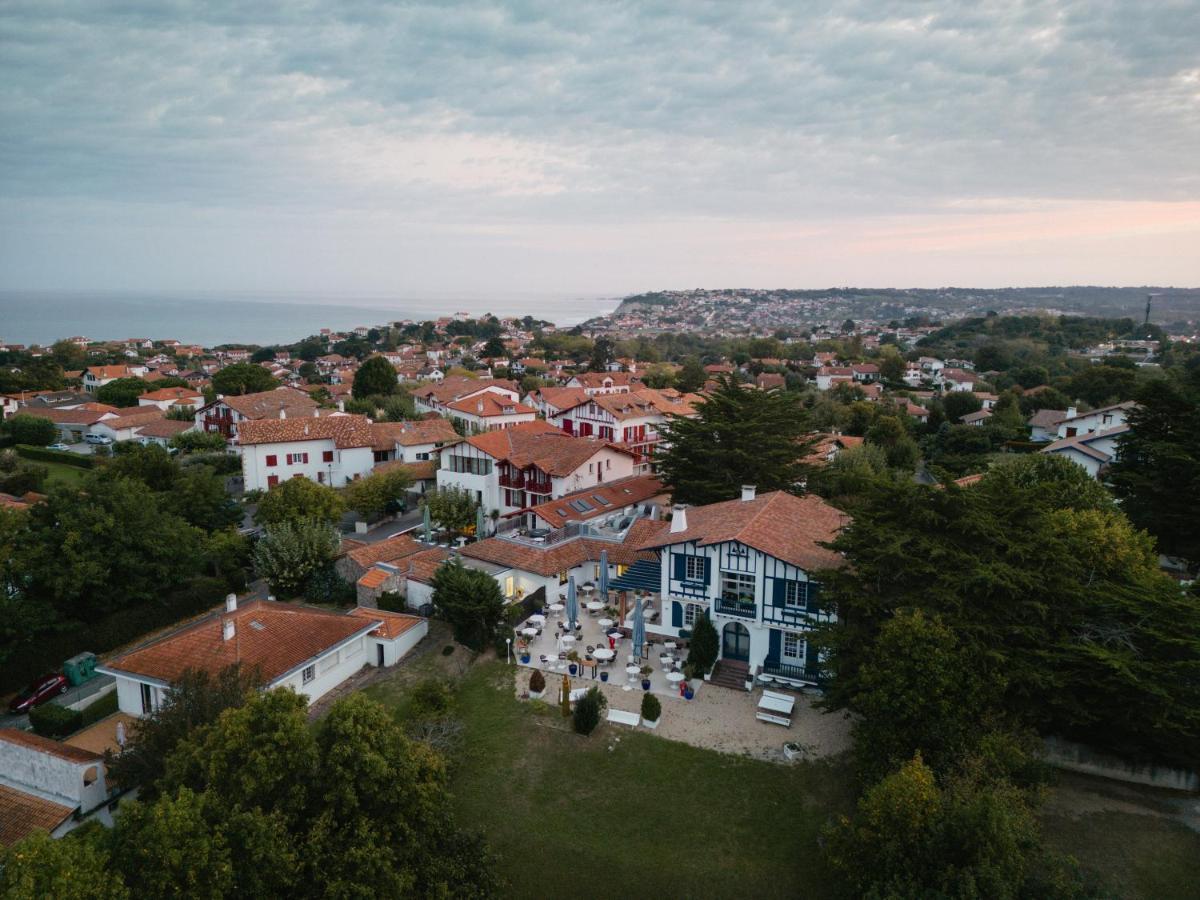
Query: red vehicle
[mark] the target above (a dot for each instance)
(45, 688)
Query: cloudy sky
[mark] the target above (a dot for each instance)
(597, 147)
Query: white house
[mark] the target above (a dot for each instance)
(1076, 423)
(599, 383)
(95, 377)
(1091, 450)
(1043, 424)
(748, 565)
(830, 376)
(489, 411)
(166, 398)
(631, 420)
(956, 380)
(412, 442)
(332, 450)
(512, 469)
(225, 414)
(126, 424)
(435, 397)
(49, 785)
(310, 650)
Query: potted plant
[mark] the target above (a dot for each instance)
(792, 750)
(604, 675)
(646, 673)
(688, 693)
(523, 649)
(537, 685)
(572, 662)
(651, 710)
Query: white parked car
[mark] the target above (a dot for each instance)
(58, 446)
(98, 439)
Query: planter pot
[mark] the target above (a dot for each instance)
(650, 723)
(572, 668)
(604, 676)
(792, 751)
(536, 695)
(749, 685)
(524, 659)
(708, 676)
(688, 694)
(645, 684)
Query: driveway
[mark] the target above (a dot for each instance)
(384, 530)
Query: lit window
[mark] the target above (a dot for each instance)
(737, 586)
(309, 673)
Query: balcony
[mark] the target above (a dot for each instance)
(734, 606)
(512, 479)
(777, 669)
(537, 487)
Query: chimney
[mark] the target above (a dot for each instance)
(228, 630)
(747, 492)
(678, 519)
(282, 412)
(341, 407)
(231, 603)
(479, 406)
(1072, 412)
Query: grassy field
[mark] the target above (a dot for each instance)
(574, 815)
(61, 473)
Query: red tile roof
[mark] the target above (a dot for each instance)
(394, 624)
(411, 434)
(490, 404)
(46, 745)
(268, 403)
(21, 814)
(390, 550)
(172, 393)
(345, 431)
(538, 443)
(271, 636)
(621, 493)
(374, 578)
(560, 557)
(164, 428)
(782, 525)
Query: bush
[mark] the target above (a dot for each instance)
(429, 698)
(99, 709)
(59, 456)
(392, 601)
(704, 646)
(587, 711)
(327, 586)
(537, 682)
(651, 708)
(27, 429)
(54, 721)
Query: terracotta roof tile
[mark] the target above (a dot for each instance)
(172, 393)
(566, 555)
(421, 470)
(490, 404)
(390, 550)
(345, 431)
(268, 403)
(373, 578)
(538, 443)
(274, 637)
(394, 624)
(164, 428)
(46, 745)
(619, 493)
(411, 434)
(787, 527)
(421, 566)
(21, 814)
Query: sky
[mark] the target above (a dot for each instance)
(602, 148)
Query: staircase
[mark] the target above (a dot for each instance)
(731, 673)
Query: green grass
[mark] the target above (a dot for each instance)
(60, 473)
(568, 815)
(1137, 856)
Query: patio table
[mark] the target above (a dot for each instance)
(602, 654)
(538, 619)
(674, 677)
(568, 639)
(605, 623)
(529, 632)
(556, 607)
(670, 645)
(594, 606)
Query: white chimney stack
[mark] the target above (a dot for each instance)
(479, 406)
(282, 413)
(230, 603)
(1072, 412)
(228, 630)
(747, 492)
(678, 519)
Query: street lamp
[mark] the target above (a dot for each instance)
(508, 644)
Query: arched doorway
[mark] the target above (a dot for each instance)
(735, 642)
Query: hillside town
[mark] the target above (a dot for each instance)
(666, 529)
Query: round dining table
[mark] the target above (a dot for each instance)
(529, 632)
(568, 639)
(674, 677)
(603, 654)
(605, 623)
(556, 607)
(594, 606)
(537, 619)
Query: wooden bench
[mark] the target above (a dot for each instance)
(773, 719)
(624, 718)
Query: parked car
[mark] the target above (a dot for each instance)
(98, 439)
(58, 445)
(45, 688)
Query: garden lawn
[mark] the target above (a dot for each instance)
(570, 815)
(60, 473)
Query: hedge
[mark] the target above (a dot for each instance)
(65, 457)
(46, 652)
(54, 721)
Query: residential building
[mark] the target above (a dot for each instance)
(332, 450)
(639, 496)
(550, 401)
(413, 441)
(488, 412)
(225, 414)
(310, 650)
(749, 565)
(45, 784)
(125, 424)
(515, 468)
(435, 397)
(95, 377)
(629, 420)
(977, 418)
(1092, 450)
(956, 380)
(1043, 424)
(829, 377)
(595, 384)
(1103, 419)
(161, 431)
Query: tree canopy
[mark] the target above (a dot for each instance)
(299, 498)
(243, 378)
(374, 377)
(121, 392)
(471, 601)
(292, 552)
(34, 430)
(737, 437)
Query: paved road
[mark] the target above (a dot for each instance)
(406, 522)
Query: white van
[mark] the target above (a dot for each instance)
(98, 439)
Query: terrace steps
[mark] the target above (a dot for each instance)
(731, 673)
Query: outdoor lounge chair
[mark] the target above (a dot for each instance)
(776, 708)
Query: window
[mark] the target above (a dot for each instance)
(608, 462)
(562, 577)
(793, 593)
(793, 646)
(272, 480)
(591, 468)
(320, 478)
(147, 699)
(272, 459)
(420, 456)
(691, 612)
(737, 586)
(327, 456)
(509, 586)
(308, 675)
(693, 568)
(296, 458)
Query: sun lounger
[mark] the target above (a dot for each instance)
(776, 708)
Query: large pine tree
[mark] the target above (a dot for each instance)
(738, 436)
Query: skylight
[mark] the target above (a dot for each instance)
(600, 500)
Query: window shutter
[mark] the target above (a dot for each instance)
(680, 566)
(778, 592)
(676, 614)
(775, 645)
(813, 604)
(272, 459)
(707, 570)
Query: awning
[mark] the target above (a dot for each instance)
(643, 575)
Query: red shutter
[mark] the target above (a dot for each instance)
(327, 456)
(272, 459)
(272, 480)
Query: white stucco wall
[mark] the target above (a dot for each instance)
(395, 650)
(333, 668)
(346, 464)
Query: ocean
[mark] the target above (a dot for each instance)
(41, 317)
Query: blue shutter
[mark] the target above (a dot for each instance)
(775, 647)
(676, 615)
(707, 570)
(777, 592)
(680, 566)
(813, 604)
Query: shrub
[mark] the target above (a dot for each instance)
(704, 646)
(327, 586)
(537, 682)
(651, 708)
(54, 721)
(392, 601)
(59, 456)
(430, 697)
(587, 711)
(27, 429)
(99, 709)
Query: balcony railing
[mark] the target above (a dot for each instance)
(538, 487)
(731, 606)
(512, 479)
(779, 669)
